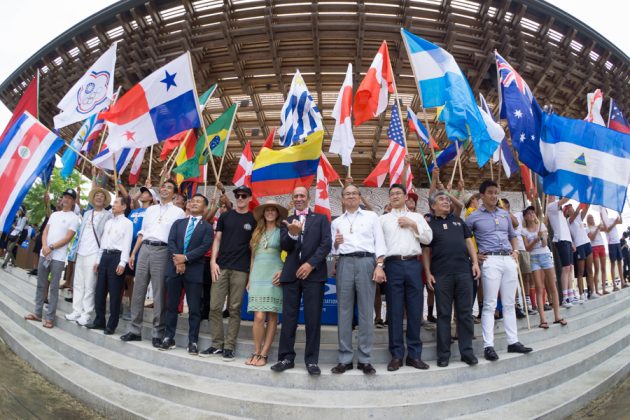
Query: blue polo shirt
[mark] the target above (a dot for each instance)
(492, 229)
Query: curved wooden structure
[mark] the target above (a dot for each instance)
(252, 48)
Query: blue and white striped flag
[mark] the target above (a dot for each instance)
(300, 116)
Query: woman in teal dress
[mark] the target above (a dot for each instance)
(264, 291)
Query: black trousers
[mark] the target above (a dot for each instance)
(313, 294)
(448, 289)
(108, 282)
(174, 287)
(207, 284)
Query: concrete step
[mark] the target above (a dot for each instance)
(111, 399)
(328, 353)
(548, 344)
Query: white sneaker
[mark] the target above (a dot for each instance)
(73, 316)
(83, 320)
(594, 296)
(574, 300)
(567, 303)
(583, 298)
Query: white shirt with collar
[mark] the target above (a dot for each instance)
(158, 220)
(118, 234)
(362, 232)
(87, 237)
(404, 241)
(558, 223)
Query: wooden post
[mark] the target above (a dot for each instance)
(500, 167)
(424, 160)
(461, 176)
(150, 162)
(226, 144)
(520, 279)
(455, 167)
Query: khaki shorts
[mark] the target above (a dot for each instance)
(523, 262)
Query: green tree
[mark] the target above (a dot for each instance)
(34, 200)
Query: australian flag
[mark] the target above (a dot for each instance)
(616, 121)
(523, 115)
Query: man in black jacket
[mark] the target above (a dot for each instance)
(306, 238)
(188, 241)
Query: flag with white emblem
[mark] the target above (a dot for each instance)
(161, 105)
(523, 115)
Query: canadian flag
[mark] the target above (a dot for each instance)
(243, 173)
(136, 166)
(342, 141)
(325, 175)
(594, 102)
(371, 97)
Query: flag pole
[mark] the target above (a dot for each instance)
(424, 160)
(106, 128)
(461, 176)
(227, 141)
(69, 146)
(491, 170)
(150, 162)
(115, 172)
(424, 113)
(402, 124)
(499, 169)
(455, 167)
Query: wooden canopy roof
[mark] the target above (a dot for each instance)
(252, 48)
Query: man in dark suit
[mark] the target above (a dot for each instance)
(188, 241)
(305, 237)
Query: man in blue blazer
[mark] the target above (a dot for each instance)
(306, 238)
(188, 241)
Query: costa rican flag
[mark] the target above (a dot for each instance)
(25, 152)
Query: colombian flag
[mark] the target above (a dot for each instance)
(278, 172)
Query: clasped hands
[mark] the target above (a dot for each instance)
(180, 263)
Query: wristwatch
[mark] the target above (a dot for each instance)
(51, 247)
(380, 265)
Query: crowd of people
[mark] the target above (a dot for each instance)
(219, 255)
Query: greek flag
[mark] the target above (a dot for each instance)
(300, 116)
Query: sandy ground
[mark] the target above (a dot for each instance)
(25, 394)
(613, 405)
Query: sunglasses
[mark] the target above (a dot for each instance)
(243, 196)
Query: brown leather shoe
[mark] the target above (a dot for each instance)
(416, 363)
(341, 368)
(366, 368)
(394, 365)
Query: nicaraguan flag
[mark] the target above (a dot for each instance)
(299, 116)
(70, 156)
(585, 162)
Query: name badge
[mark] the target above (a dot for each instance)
(445, 226)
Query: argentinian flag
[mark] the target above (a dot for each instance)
(586, 162)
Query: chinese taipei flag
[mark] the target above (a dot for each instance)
(25, 151)
(342, 141)
(372, 96)
(163, 104)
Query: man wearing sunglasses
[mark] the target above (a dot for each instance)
(229, 266)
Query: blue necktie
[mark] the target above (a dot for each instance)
(189, 231)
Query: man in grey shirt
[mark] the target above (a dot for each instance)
(496, 242)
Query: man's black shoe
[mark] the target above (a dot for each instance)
(167, 344)
(193, 350)
(226, 313)
(107, 331)
(130, 337)
(394, 365)
(228, 355)
(416, 363)
(519, 313)
(431, 318)
(342, 368)
(470, 360)
(68, 299)
(442, 363)
(518, 348)
(313, 369)
(490, 354)
(211, 351)
(283, 365)
(367, 368)
(157, 343)
(93, 326)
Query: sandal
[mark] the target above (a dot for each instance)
(260, 360)
(543, 325)
(32, 317)
(561, 321)
(250, 361)
(48, 324)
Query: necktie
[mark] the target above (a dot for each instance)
(301, 212)
(189, 231)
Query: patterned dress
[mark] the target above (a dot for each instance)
(263, 296)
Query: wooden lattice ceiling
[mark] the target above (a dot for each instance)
(252, 48)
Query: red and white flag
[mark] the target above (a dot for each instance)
(325, 175)
(269, 140)
(243, 173)
(342, 141)
(136, 166)
(27, 103)
(392, 163)
(371, 97)
(594, 102)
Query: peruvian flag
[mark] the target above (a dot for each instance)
(342, 141)
(136, 166)
(371, 97)
(28, 102)
(325, 175)
(418, 128)
(243, 173)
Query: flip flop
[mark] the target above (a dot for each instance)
(250, 361)
(543, 325)
(32, 317)
(260, 358)
(48, 324)
(562, 322)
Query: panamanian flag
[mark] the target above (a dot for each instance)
(25, 152)
(161, 105)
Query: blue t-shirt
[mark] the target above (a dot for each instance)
(136, 216)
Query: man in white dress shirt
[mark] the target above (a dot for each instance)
(358, 241)
(88, 244)
(110, 265)
(404, 233)
(152, 258)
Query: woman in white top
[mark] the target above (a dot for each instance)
(599, 252)
(541, 260)
(583, 249)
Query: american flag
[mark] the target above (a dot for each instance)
(616, 120)
(396, 150)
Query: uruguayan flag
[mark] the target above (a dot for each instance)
(586, 162)
(300, 116)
